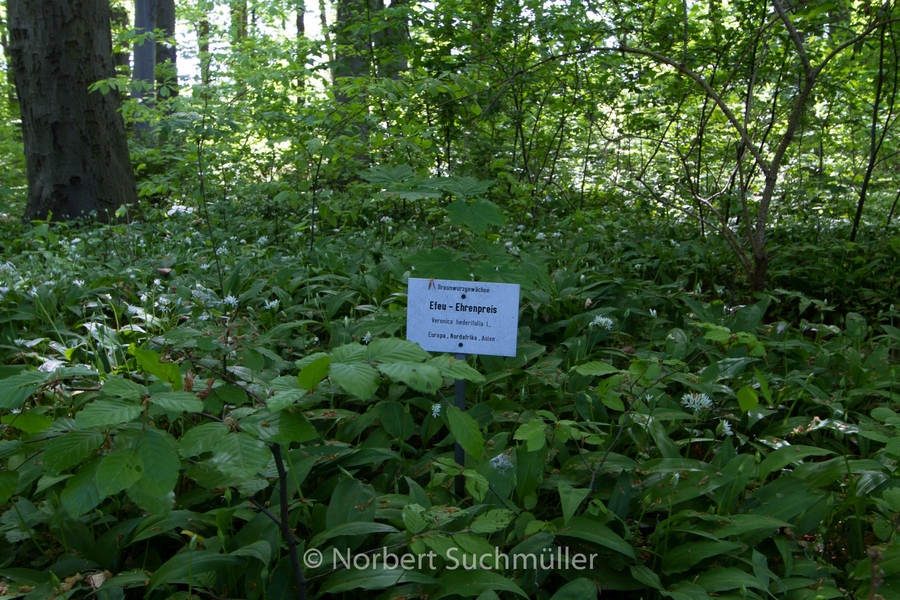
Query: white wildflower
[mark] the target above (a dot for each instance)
(540, 236)
(271, 304)
(514, 250)
(222, 251)
(521, 227)
(653, 313)
(557, 234)
(781, 327)
(78, 282)
(367, 339)
(205, 266)
(263, 240)
(435, 410)
(157, 282)
(508, 244)
(696, 401)
(20, 342)
(230, 301)
(726, 428)
(604, 322)
(386, 219)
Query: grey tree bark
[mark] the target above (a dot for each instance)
(75, 146)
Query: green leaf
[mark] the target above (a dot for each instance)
(102, 413)
(123, 388)
(395, 350)
(280, 427)
(186, 566)
(454, 368)
(420, 377)
(493, 520)
(71, 449)
(592, 531)
(571, 499)
(684, 556)
(596, 368)
(241, 456)
(747, 398)
(577, 589)
(413, 518)
(533, 433)
(160, 461)
(18, 388)
(202, 438)
(9, 481)
(153, 363)
(27, 422)
(471, 583)
(478, 215)
(353, 528)
(314, 372)
(358, 379)
(82, 491)
(178, 402)
(466, 432)
(376, 578)
(786, 455)
(119, 470)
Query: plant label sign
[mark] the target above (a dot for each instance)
(463, 317)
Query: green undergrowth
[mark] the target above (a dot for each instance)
(194, 404)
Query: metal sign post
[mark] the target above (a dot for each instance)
(460, 318)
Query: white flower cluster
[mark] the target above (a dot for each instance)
(696, 401)
(603, 322)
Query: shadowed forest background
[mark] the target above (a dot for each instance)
(210, 212)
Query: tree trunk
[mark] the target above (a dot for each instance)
(144, 74)
(75, 147)
(166, 70)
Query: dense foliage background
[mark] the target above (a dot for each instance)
(697, 200)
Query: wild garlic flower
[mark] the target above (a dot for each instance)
(601, 321)
(230, 301)
(653, 313)
(540, 236)
(271, 304)
(435, 410)
(367, 339)
(263, 240)
(726, 428)
(696, 401)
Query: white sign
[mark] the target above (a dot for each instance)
(463, 317)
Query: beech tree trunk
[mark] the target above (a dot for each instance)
(75, 147)
(166, 70)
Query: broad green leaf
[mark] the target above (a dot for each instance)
(466, 432)
(578, 589)
(280, 427)
(395, 350)
(456, 369)
(690, 553)
(493, 520)
(178, 402)
(471, 583)
(101, 413)
(358, 379)
(11, 448)
(533, 433)
(571, 499)
(354, 528)
(595, 368)
(644, 575)
(478, 215)
(476, 484)
(160, 461)
(119, 470)
(82, 491)
(186, 566)
(202, 438)
(27, 422)
(240, 455)
(123, 388)
(396, 420)
(71, 449)
(413, 518)
(16, 389)
(153, 363)
(9, 481)
(418, 376)
(747, 398)
(314, 372)
(592, 531)
(376, 577)
(786, 455)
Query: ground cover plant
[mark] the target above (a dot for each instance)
(194, 401)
